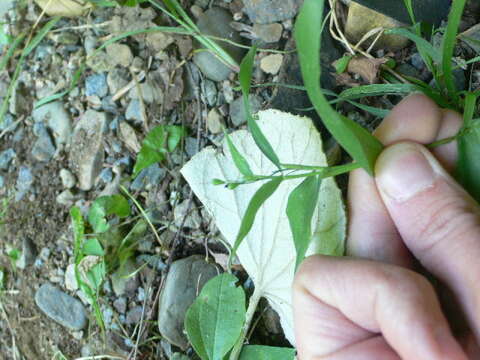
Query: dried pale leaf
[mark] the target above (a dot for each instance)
(368, 69)
(268, 251)
(68, 8)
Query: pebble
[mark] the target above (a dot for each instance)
(87, 154)
(184, 281)
(237, 109)
(43, 149)
(120, 305)
(417, 61)
(66, 198)
(158, 41)
(271, 63)
(24, 182)
(193, 219)
(266, 12)
(6, 158)
(134, 111)
(269, 33)
(210, 92)
(122, 281)
(68, 179)
(29, 254)
(216, 22)
(57, 120)
(65, 38)
(61, 307)
(90, 44)
(148, 177)
(120, 54)
(214, 122)
(117, 79)
(129, 137)
(134, 315)
(96, 85)
(70, 278)
(106, 175)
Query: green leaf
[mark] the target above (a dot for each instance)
(262, 194)
(78, 228)
(96, 275)
(158, 142)
(468, 166)
(421, 43)
(259, 352)
(93, 247)
(104, 206)
(40, 35)
(245, 76)
(377, 90)
(238, 159)
(341, 64)
(215, 320)
(448, 46)
(357, 141)
(301, 205)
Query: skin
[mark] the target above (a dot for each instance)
(411, 221)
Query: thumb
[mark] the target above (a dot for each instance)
(438, 221)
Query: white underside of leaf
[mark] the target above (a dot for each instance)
(268, 252)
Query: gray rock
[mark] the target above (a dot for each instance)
(120, 305)
(148, 177)
(24, 182)
(216, 22)
(123, 281)
(184, 281)
(106, 175)
(417, 61)
(120, 54)
(214, 122)
(57, 120)
(2, 181)
(117, 79)
(193, 219)
(269, 33)
(237, 109)
(191, 146)
(29, 254)
(210, 92)
(62, 308)
(134, 315)
(65, 38)
(68, 179)
(66, 198)
(134, 111)
(96, 85)
(43, 149)
(70, 278)
(270, 11)
(6, 158)
(87, 154)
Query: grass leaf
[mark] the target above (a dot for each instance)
(245, 76)
(238, 159)
(422, 45)
(215, 320)
(262, 194)
(448, 46)
(357, 141)
(341, 64)
(377, 90)
(104, 206)
(301, 205)
(259, 352)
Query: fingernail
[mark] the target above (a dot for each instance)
(403, 171)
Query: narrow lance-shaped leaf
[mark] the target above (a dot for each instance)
(448, 46)
(300, 209)
(468, 167)
(262, 195)
(357, 141)
(214, 321)
(238, 159)
(245, 76)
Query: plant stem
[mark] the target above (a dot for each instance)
(252, 306)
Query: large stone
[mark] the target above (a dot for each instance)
(472, 38)
(216, 22)
(362, 20)
(185, 280)
(270, 11)
(43, 149)
(57, 120)
(86, 154)
(237, 109)
(429, 11)
(63, 308)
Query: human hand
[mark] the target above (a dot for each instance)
(374, 305)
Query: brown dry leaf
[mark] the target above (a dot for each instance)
(68, 8)
(367, 68)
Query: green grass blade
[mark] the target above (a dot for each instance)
(245, 76)
(240, 162)
(422, 45)
(411, 13)
(11, 50)
(301, 205)
(357, 141)
(258, 199)
(378, 90)
(448, 46)
(40, 35)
